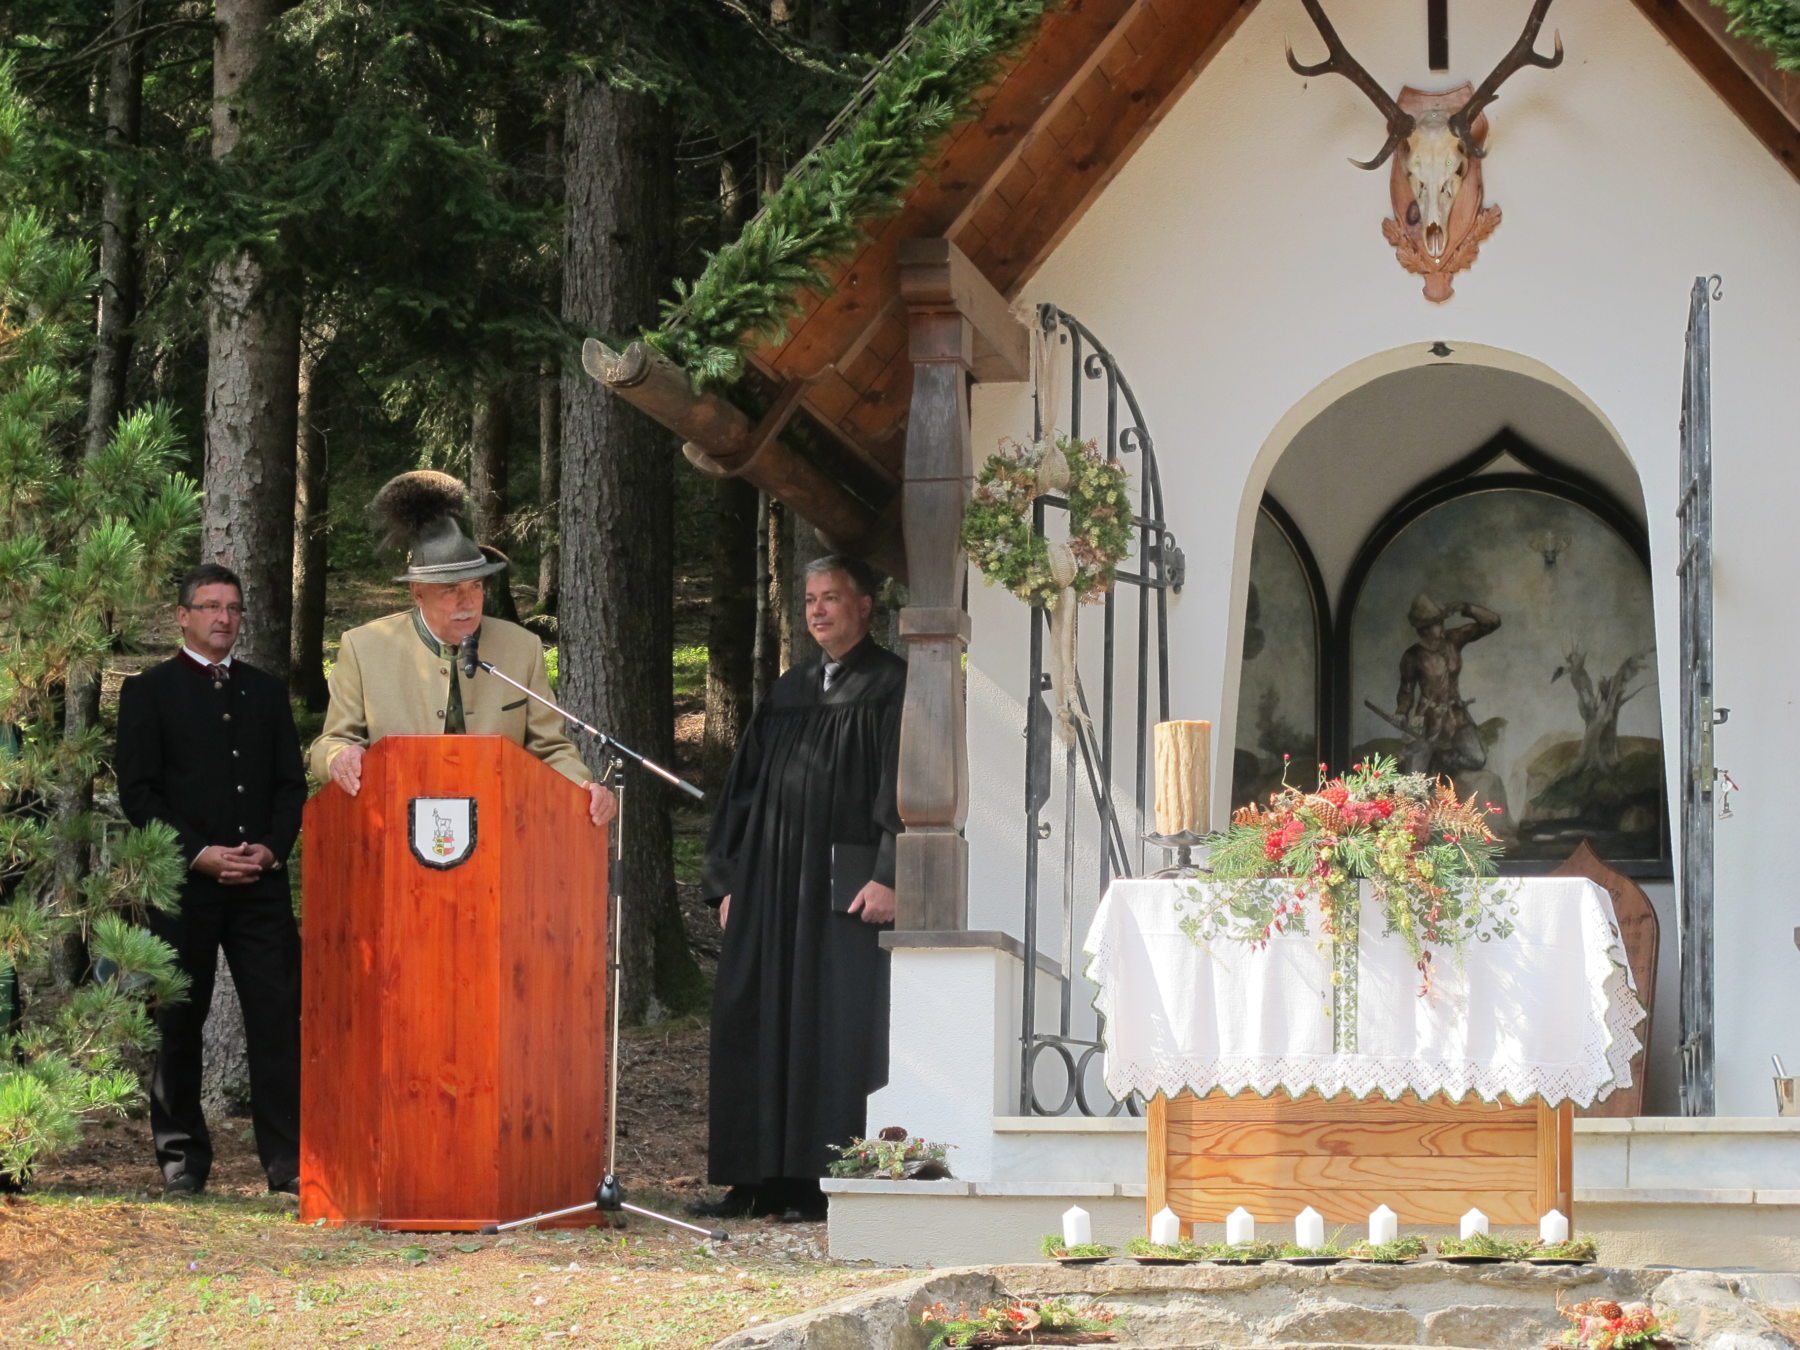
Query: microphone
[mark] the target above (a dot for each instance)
(469, 659)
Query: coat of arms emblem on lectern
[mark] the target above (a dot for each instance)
(441, 830)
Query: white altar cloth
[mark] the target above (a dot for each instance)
(1549, 1012)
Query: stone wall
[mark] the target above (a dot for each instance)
(1499, 1307)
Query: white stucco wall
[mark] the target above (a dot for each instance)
(1236, 269)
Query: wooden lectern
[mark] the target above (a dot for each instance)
(453, 1014)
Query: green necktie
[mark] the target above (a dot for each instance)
(453, 710)
(453, 707)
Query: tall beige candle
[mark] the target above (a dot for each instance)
(1183, 777)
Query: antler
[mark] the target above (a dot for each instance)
(1523, 53)
(1338, 61)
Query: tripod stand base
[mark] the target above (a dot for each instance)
(609, 1197)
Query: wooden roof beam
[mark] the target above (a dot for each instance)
(722, 441)
(936, 272)
(1765, 99)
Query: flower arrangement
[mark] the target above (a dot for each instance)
(1423, 851)
(1601, 1324)
(893, 1155)
(997, 531)
(1019, 1322)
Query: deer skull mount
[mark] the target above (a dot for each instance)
(1439, 221)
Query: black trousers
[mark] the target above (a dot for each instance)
(262, 946)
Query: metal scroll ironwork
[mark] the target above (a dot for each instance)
(1698, 715)
(1095, 384)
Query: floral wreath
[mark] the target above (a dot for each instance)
(997, 531)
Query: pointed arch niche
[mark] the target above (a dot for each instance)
(1414, 522)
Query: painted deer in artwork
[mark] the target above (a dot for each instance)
(1440, 138)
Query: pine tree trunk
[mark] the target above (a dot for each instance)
(549, 391)
(803, 548)
(122, 108)
(730, 624)
(252, 381)
(252, 393)
(490, 439)
(765, 661)
(549, 484)
(781, 614)
(731, 608)
(118, 231)
(617, 512)
(312, 500)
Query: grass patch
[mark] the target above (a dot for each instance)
(82, 1270)
(690, 671)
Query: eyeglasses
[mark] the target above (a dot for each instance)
(214, 607)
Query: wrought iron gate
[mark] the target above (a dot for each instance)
(1093, 373)
(1698, 715)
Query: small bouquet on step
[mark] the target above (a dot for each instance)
(892, 1155)
(1601, 1324)
(1018, 1321)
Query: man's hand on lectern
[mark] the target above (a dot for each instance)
(602, 805)
(346, 768)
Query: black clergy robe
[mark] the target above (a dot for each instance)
(800, 1007)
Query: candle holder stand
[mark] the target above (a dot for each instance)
(1182, 845)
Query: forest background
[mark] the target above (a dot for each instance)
(286, 250)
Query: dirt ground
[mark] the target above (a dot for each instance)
(93, 1255)
(661, 1147)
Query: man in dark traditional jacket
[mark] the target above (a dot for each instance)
(800, 863)
(207, 745)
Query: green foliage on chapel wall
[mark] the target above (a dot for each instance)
(859, 172)
(83, 542)
(1773, 25)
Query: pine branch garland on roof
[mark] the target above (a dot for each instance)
(860, 171)
(1773, 25)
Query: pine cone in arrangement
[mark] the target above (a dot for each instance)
(1330, 819)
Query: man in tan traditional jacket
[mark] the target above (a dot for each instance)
(400, 676)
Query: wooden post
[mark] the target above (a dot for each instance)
(959, 329)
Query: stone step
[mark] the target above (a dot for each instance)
(1274, 1307)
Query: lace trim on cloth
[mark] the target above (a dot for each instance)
(1598, 1063)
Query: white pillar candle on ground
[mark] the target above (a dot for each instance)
(1472, 1223)
(1165, 1228)
(1239, 1226)
(1309, 1229)
(1384, 1226)
(1553, 1228)
(1078, 1228)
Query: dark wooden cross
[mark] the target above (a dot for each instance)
(1437, 34)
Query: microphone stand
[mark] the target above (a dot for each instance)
(609, 1195)
(615, 748)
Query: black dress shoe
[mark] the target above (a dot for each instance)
(182, 1183)
(289, 1187)
(737, 1203)
(809, 1213)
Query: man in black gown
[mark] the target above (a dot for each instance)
(800, 863)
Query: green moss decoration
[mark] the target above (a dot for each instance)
(1773, 25)
(859, 172)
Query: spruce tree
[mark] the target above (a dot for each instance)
(83, 541)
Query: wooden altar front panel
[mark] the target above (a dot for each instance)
(1429, 1161)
